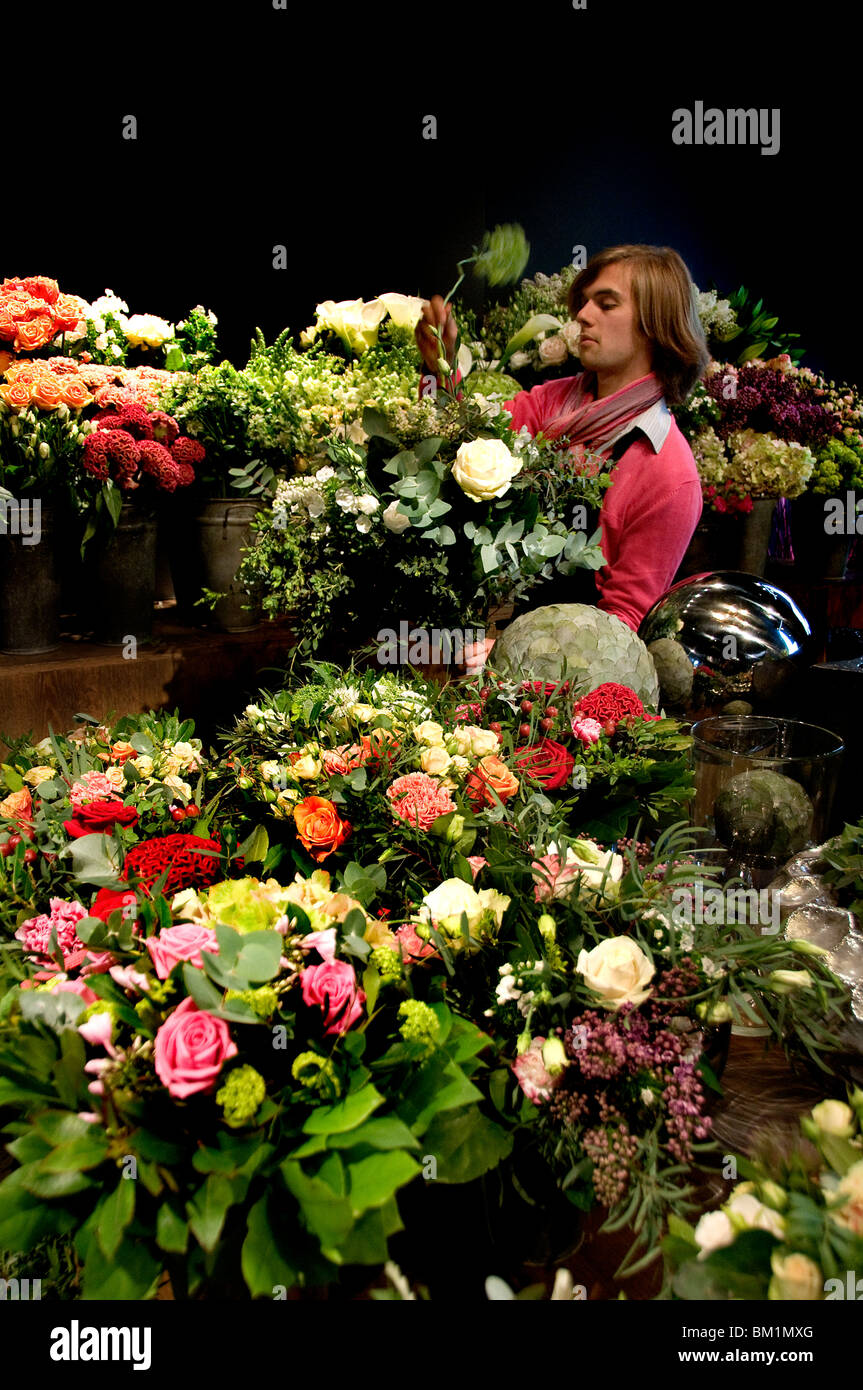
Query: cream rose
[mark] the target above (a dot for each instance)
(746, 1213)
(617, 970)
(38, 774)
(597, 870)
(834, 1117)
(483, 742)
(850, 1214)
(445, 905)
(394, 520)
(187, 756)
(144, 764)
(553, 351)
(429, 732)
(713, 1232)
(362, 713)
(271, 770)
(796, 1278)
(147, 330)
(571, 335)
(435, 761)
(178, 785)
(484, 469)
(307, 768)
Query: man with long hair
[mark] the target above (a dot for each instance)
(642, 349)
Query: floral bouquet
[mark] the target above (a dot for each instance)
(770, 429)
(79, 807)
(792, 1230)
(230, 1090)
(399, 783)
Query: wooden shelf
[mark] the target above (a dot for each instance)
(206, 675)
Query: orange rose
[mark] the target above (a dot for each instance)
(490, 775)
(16, 303)
(16, 395)
(18, 806)
(320, 827)
(120, 751)
(47, 392)
(35, 333)
(8, 326)
(42, 287)
(68, 312)
(75, 393)
(25, 371)
(6, 359)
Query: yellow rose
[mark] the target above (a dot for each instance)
(429, 732)
(485, 468)
(363, 713)
(38, 774)
(796, 1278)
(435, 761)
(617, 970)
(460, 741)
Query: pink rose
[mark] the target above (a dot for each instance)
(476, 862)
(551, 877)
(190, 1050)
(184, 942)
(333, 987)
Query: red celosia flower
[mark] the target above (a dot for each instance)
(193, 862)
(95, 457)
(185, 450)
(122, 448)
(156, 461)
(185, 474)
(136, 420)
(609, 701)
(165, 427)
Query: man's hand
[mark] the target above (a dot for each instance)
(436, 314)
(476, 654)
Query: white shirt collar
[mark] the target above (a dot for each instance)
(655, 422)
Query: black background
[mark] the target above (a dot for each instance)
(303, 127)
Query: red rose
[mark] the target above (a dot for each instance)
(109, 900)
(547, 762)
(97, 816)
(544, 687)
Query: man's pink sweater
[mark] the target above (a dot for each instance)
(649, 512)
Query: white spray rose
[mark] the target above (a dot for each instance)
(394, 520)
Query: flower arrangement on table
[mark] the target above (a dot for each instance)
(792, 1230)
(74, 807)
(770, 429)
(397, 784)
(241, 1057)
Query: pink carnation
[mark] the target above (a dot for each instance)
(472, 711)
(412, 944)
(91, 786)
(35, 933)
(588, 730)
(531, 1073)
(419, 799)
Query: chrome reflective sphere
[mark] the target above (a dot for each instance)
(741, 638)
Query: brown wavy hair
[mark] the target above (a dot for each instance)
(666, 309)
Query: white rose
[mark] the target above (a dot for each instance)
(363, 525)
(796, 1278)
(714, 1230)
(186, 755)
(435, 761)
(553, 351)
(571, 334)
(484, 469)
(446, 903)
(430, 732)
(747, 1213)
(482, 741)
(597, 870)
(617, 970)
(367, 504)
(394, 520)
(405, 310)
(459, 764)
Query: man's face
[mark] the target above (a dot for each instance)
(610, 337)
